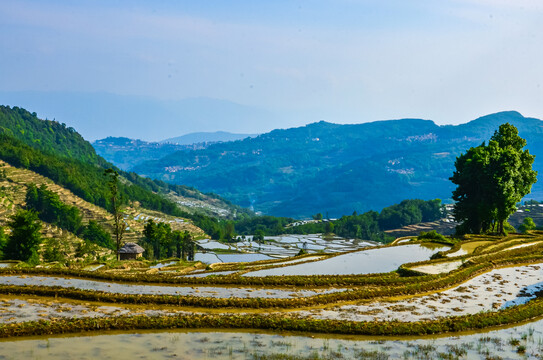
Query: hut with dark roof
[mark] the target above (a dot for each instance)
(130, 251)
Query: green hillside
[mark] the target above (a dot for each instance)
(47, 136)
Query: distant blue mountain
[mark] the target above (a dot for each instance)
(205, 137)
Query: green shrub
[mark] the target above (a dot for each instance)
(54, 250)
(527, 224)
(94, 233)
(435, 237)
(25, 238)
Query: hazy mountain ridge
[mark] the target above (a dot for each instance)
(339, 168)
(205, 137)
(127, 153)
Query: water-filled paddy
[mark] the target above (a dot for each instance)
(378, 260)
(468, 248)
(211, 257)
(289, 245)
(163, 264)
(496, 344)
(201, 291)
(438, 268)
(295, 261)
(215, 273)
(7, 264)
(242, 257)
(207, 257)
(497, 289)
(33, 309)
(523, 245)
(93, 267)
(282, 246)
(211, 244)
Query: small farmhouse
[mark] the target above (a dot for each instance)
(130, 251)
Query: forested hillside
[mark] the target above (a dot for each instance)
(339, 168)
(61, 154)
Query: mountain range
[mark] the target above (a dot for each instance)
(338, 169)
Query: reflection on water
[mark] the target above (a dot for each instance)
(361, 262)
(525, 294)
(498, 344)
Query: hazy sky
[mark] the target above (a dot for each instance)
(343, 61)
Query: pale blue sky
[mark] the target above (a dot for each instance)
(343, 61)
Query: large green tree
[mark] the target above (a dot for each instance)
(25, 237)
(491, 179)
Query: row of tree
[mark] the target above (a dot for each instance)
(161, 242)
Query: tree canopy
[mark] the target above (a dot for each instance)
(491, 179)
(51, 209)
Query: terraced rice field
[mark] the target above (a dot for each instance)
(496, 280)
